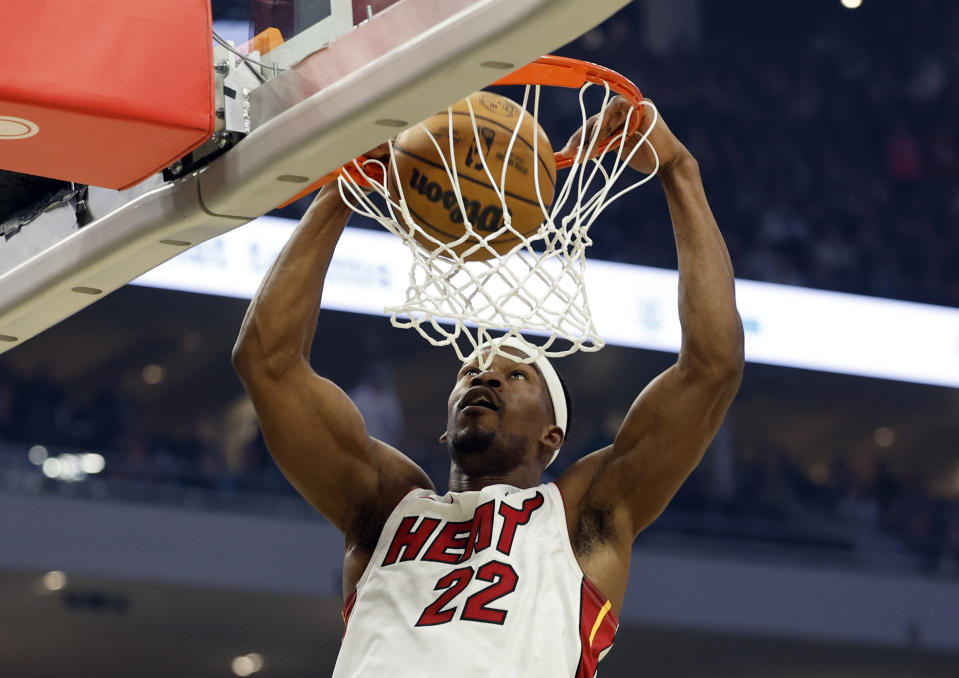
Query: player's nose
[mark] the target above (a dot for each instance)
(486, 378)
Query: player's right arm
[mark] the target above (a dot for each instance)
(313, 430)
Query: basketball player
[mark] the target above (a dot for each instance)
(502, 576)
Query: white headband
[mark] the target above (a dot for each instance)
(553, 385)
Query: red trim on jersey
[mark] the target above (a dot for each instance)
(591, 604)
(348, 608)
(598, 621)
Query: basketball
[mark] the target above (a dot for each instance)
(428, 188)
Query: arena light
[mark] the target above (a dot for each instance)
(51, 468)
(884, 436)
(787, 326)
(92, 463)
(153, 374)
(37, 455)
(54, 580)
(851, 4)
(246, 665)
(68, 467)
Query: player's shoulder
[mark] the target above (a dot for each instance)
(396, 477)
(576, 481)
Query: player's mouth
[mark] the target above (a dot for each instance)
(480, 397)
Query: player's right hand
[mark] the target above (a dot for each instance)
(612, 120)
(669, 149)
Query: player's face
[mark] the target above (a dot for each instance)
(501, 405)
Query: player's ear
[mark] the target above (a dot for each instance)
(444, 437)
(552, 437)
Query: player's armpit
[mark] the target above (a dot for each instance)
(660, 442)
(318, 438)
(676, 416)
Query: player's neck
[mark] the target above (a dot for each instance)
(521, 477)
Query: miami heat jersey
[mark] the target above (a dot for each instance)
(475, 584)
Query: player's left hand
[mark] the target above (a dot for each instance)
(668, 148)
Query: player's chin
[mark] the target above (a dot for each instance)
(472, 439)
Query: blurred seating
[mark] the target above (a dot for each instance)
(855, 515)
(829, 151)
(830, 156)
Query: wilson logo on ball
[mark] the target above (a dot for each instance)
(479, 163)
(486, 218)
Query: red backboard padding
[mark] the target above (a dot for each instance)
(115, 90)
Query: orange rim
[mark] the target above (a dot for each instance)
(560, 71)
(556, 71)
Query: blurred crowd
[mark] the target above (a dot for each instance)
(829, 148)
(218, 460)
(830, 156)
(845, 504)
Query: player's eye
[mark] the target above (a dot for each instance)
(470, 371)
(518, 373)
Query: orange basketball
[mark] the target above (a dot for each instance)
(428, 188)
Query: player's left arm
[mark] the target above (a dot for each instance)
(673, 420)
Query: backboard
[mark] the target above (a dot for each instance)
(349, 75)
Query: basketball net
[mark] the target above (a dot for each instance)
(538, 287)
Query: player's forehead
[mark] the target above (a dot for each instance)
(507, 356)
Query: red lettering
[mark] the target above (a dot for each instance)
(453, 536)
(408, 540)
(454, 583)
(504, 580)
(514, 518)
(481, 536)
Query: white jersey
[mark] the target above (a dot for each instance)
(475, 584)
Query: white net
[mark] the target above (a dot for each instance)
(537, 288)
